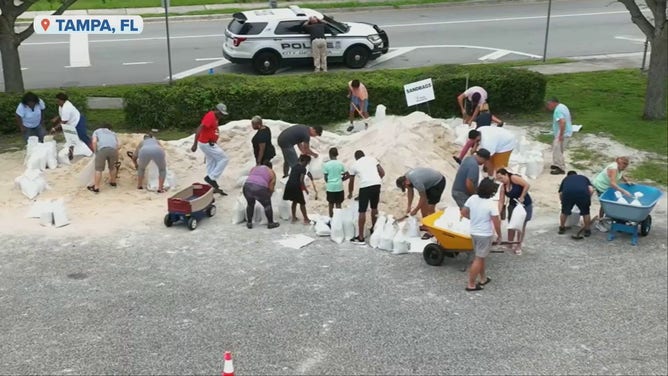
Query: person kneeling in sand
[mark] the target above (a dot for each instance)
(149, 149)
(484, 216)
(259, 186)
(295, 188)
(106, 147)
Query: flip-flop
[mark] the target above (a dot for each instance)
(476, 288)
(130, 154)
(427, 236)
(488, 280)
(93, 189)
(577, 237)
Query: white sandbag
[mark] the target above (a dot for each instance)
(60, 218)
(636, 202)
(574, 218)
(400, 243)
(412, 227)
(239, 211)
(245, 171)
(37, 208)
(31, 183)
(353, 215)
(518, 217)
(51, 154)
(337, 233)
(322, 226)
(259, 216)
(32, 140)
(374, 239)
(63, 157)
(452, 221)
(638, 195)
(315, 168)
(622, 200)
(37, 157)
(350, 227)
(380, 112)
(618, 194)
(284, 210)
(280, 206)
(72, 139)
(387, 237)
(152, 175)
(241, 180)
(87, 174)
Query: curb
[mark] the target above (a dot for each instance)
(215, 16)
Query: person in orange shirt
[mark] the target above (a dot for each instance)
(359, 102)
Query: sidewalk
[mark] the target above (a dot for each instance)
(176, 10)
(593, 64)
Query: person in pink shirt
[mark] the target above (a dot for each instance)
(470, 102)
(359, 98)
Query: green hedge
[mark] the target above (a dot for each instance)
(321, 98)
(9, 102)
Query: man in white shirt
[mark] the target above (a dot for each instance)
(370, 174)
(69, 115)
(499, 142)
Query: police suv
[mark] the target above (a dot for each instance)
(270, 38)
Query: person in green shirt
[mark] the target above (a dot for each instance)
(610, 177)
(334, 176)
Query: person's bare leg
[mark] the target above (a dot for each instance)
(140, 180)
(294, 212)
(562, 220)
(474, 270)
(360, 224)
(161, 184)
(496, 119)
(98, 179)
(302, 208)
(481, 273)
(331, 210)
(374, 217)
(112, 174)
(587, 222)
(511, 235)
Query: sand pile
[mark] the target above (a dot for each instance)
(399, 143)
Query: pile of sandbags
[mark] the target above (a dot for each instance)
(50, 213)
(239, 212)
(392, 236)
(31, 183)
(452, 221)
(40, 156)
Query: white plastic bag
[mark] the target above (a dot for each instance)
(322, 226)
(239, 211)
(353, 215)
(153, 175)
(315, 168)
(518, 217)
(87, 174)
(259, 216)
(574, 218)
(37, 157)
(280, 206)
(72, 139)
(374, 239)
(31, 183)
(412, 227)
(63, 158)
(350, 228)
(400, 244)
(380, 112)
(389, 231)
(337, 232)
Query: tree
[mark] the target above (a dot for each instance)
(657, 35)
(10, 40)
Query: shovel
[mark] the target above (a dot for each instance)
(350, 128)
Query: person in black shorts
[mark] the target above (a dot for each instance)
(575, 190)
(295, 188)
(430, 185)
(370, 174)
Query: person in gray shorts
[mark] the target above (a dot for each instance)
(148, 150)
(468, 176)
(299, 135)
(484, 216)
(105, 146)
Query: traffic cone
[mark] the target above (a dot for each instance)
(228, 366)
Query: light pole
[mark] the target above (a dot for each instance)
(165, 4)
(547, 28)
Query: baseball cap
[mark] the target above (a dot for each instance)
(483, 153)
(400, 183)
(222, 108)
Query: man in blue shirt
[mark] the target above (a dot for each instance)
(562, 130)
(575, 190)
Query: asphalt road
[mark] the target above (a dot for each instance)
(423, 36)
(172, 301)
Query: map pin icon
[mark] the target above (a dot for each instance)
(45, 24)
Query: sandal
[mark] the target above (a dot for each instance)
(140, 187)
(487, 280)
(130, 154)
(93, 189)
(113, 184)
(427, 236)
(160, 191)
(476, 288)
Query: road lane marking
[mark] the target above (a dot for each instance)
(394, 52)
(139, 63)
(637, 40)
(209, 58)
(122, 40)
(608, 56)
(494, 55)
(79, 52)
(24, 69)
(506, 19)
(199, 69)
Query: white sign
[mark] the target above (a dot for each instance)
(419, 92)
(88, 24)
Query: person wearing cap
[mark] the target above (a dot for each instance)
(206, 138)
(316, 30)
(466, 181)
(299, 135)
(149, 149)
(430, 185)
(469, 103)
(575, 190)
(562, 130)
(499, 142)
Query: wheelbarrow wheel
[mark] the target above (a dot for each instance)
(433, 254)
(192, 223)
(646, 225)
(168, 220)
(211, 211)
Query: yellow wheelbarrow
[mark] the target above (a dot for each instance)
(448, 243)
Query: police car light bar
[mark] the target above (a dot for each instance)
(297, 10)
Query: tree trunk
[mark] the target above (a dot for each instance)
(657, 80)
(11, 61)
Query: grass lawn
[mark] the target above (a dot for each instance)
(111, 4)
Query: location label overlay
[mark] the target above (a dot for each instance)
(88, 24)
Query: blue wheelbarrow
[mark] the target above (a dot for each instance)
(631, 219)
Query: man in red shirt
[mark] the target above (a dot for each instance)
(206, 138)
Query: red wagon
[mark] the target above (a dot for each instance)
(190, 205)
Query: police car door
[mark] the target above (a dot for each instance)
(334, 47)
(292, 41)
